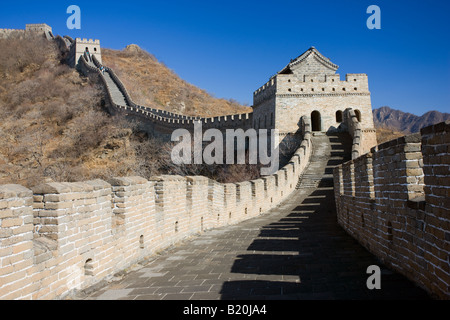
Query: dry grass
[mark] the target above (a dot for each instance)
(53, 127)
(151, 83)
(384, 135)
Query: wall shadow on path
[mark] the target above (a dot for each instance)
(307, 255)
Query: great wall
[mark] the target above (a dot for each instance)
(59, 237)
(395, 200)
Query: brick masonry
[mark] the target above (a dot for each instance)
(395, 200)
(310, 84)
(62, 237)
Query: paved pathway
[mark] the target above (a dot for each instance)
(295, 251)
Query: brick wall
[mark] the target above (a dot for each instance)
(286, 97)
(61, 237)
(395, 201)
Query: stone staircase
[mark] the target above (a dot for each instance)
(329, 150)
(116, 94)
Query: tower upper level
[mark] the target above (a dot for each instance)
(31, 29)
(92, 46)
(311, 74)
(38, 27)
(311, 62)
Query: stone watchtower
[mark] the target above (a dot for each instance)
(309, 86)
(81, 45)
(38, 27)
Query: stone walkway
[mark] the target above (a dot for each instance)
(295, 251)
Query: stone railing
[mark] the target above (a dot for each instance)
(395, 201)
(363, 139)
(61, 237)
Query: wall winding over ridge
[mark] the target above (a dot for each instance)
(395, 200)
(162, 121)
(61, 237)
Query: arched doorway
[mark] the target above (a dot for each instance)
(339, 116)
(316, 122)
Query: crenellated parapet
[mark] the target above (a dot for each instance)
(309, 86)
(395, 201)
(81, 46)
(30, 30)
(61, 237)
(38, 27)
(162, 122)
(265, 92)
(290, 85)
(4, 33)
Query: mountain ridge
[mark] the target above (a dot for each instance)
(405, 122)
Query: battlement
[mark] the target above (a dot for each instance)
(85, 45)
(87, 41)
(30, 30)
(38, 27)
(166, 122)
(60, 237)
(11, 30)
(269, 84)
(312, 84)
(395, 200)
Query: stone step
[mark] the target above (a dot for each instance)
(325, 148)
(116, 94)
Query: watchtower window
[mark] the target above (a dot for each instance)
(95, 49)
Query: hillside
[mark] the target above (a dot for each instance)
(53, 127)
(405, 122)
(151, 83)
(384, 135)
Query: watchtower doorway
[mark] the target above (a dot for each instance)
(316, 122)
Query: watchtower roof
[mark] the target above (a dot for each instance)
(301, 64)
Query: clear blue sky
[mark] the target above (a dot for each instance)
(230, 48)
